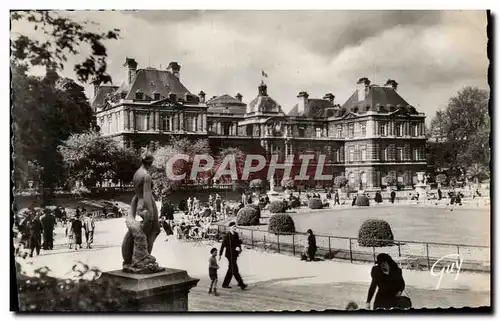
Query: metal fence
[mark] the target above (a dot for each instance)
(409, 254)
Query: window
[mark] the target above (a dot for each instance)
(189, 123)
(351, 130)
(356, 152)
(227, 128)
(139, 95)
(156, 96)
(399, 154)
(140, 121)
(165, 123)
(414, 130)
(363, 154)
(339, 131)
(336, 156)
(352, 179)
(385, 154)
(399, 129)
(415, 154)
(363, 129)
(351, 155)
(249, 130)
(301, 132)
(318, 132)
(383, 129)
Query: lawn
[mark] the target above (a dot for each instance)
(409, 223)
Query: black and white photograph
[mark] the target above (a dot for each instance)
(250, 160)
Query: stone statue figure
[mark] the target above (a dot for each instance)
(271, 182)
(140, 237)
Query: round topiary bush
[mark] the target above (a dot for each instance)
(362, 200)
(295, 203)
(277, 207)
(376, 233)
(256, 207)
(315, 203)
(281, 224)
(247, 216)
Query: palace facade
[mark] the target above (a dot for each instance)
(373, 133)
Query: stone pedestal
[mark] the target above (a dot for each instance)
(163, 291)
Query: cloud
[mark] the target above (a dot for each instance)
(432, 54)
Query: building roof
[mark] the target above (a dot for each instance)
(148, 81)
(101, 94)
(379, 99)
(314, 108)
(264, 104)
(151, 81)
(226, 104)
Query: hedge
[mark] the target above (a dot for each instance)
(315, 203)
(372, 231)
(277, 207)
(247, 216)
(281, 224)
(257, 208)
(362, 200)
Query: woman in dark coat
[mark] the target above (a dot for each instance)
(388, 277)
(311, 245)
(76, 227)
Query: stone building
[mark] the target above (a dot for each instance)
(373, 133)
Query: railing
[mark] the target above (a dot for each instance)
(409, 254)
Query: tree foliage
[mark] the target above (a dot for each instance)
(45, 112)
(340, 181)
(391, 178)
(461, 133)
(239, 157)
(61, 37)
(92, 158)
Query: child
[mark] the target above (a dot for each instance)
(212, 271)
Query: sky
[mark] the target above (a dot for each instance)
(431, 54)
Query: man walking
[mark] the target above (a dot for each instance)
(89, 227)
(393, 196)
(35, 230)
(48, 224)
(336, 198)
(232, 245)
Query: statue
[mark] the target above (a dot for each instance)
(271, 183)
(138, 241)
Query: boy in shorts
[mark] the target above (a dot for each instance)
(212, 271)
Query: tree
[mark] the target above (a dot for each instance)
(288, 183)
(63, 37)
(440, 179)
(239, 161)
(340, 181)
(92, 158)
(461, 132)
(45, 112)
(162, 154)
(477, 172)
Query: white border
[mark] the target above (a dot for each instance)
(190, 4)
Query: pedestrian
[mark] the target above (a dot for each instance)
(232, 244)
(212, 271)
(393, 196)
(35, 229)
(89, 227)
(440, 194)
(354, 200)
(76, 227)
(336, 198)
(69, 232)
(378, 197)
(311, 245)
(388, 278)
(48, 224)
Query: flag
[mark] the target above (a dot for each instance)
(264, 74)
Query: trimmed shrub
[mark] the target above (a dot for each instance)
(362, 200)
(391, 179)
(315, 204)
(372, 231)
(247, 216)
(256, 207)
(441, 178)
(277, 207)
(295, 203)
(282, 224)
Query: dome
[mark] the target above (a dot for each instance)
(263, 103)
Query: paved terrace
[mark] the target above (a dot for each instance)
(276, 282)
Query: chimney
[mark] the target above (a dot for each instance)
(391, 83)
(262, 89)
(239, 97)
(330, 97)
(363, 87)
(174, 68)
(202, 97)
(302, 102)
(131, 65)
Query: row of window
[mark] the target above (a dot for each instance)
(389, 153)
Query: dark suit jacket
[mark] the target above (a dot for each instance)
(230, 243)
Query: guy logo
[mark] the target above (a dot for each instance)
(454, 267)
